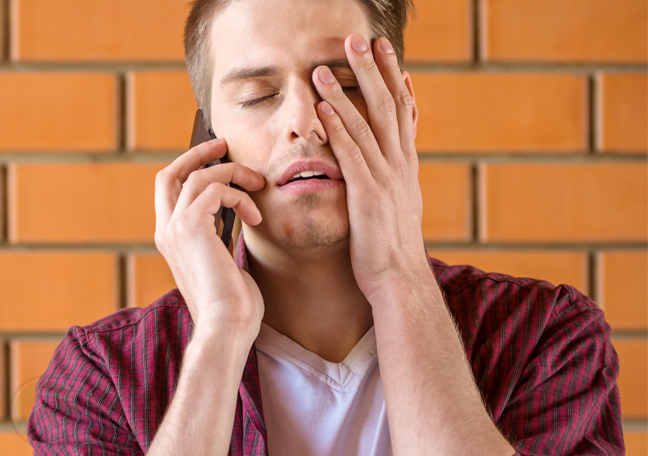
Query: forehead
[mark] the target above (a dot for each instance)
(284, 33)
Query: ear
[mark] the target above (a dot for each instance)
(410, 87)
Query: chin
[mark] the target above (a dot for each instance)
(311, 236)
(307, 226)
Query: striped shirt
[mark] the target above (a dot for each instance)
(541, 356)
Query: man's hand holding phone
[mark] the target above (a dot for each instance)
(187, 195)
(225, 303)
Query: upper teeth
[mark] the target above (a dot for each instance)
(307, 174)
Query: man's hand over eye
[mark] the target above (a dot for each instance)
(379, 163)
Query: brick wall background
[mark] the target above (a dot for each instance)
(532, 139)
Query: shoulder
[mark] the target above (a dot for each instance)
(490, 288)
(136, 331)
(488, 306)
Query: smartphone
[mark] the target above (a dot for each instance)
(224, 218)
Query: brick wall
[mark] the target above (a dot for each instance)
(532, 140)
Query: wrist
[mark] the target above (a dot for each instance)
(234, 340)
(408, 283)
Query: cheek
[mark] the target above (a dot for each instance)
(247, 141)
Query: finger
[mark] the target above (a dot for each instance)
(404, 100)
(201, 211)
(168, 182)
(225, 173)
(346, 150)
(356, 126)
(380, 102)
(196, 157)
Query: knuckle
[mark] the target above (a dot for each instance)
(338, 127)
(370, 65)
(215, 187)
(161, 177)
(355, 154)
(338, 94)
(362, 130)
(405, 100)
(388, 106)
(159, 240)
(194, 178)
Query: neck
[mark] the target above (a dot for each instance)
(311, 297)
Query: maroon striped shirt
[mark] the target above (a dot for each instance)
(541, 356)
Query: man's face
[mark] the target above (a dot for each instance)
(287, 40)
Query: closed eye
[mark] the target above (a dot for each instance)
(250, 103)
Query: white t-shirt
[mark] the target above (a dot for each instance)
(313, 407)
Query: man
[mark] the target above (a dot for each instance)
(331, 334)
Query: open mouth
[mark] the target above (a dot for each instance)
(306, 175)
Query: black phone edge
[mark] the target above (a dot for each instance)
(202, 133)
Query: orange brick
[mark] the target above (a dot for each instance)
(100, 30)
(441, 32)
(160, 122)
(565, 31)
(14, 444)
(633, 379)
(29, 360)
(636, 443)
(149, 277)
(446, 201)
(556, 267)
(3, 209)
(490, 112)
(58, 112)
(82, 202)
(564, 202)
(3, 383)
(623, 108)
(51, 291)
(622, 289)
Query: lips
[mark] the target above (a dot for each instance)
(309, 170)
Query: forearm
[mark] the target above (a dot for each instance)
(200, 419)
(433, 404)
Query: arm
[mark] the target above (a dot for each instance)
(225, 304)
(432, 402)
(77, 408)
(80, 407)
(201, 415)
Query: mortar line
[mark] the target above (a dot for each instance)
(592, 114)
(592, 264)
(122, 121)
(162, 157)
(5, 52)
(635, 424)
(475, 183)
(6, 394)
(4, 206)
(476, 32)
(122, 281)
(431, 66)
(629, 334)
(149, 247)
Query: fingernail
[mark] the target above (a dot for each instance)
(359, 44)
(327, 109)
(386, 46)
(326, 76)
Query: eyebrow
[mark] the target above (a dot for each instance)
(239, 74)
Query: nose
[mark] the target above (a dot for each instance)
(302, 122)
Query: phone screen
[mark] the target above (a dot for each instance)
(224, 218)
